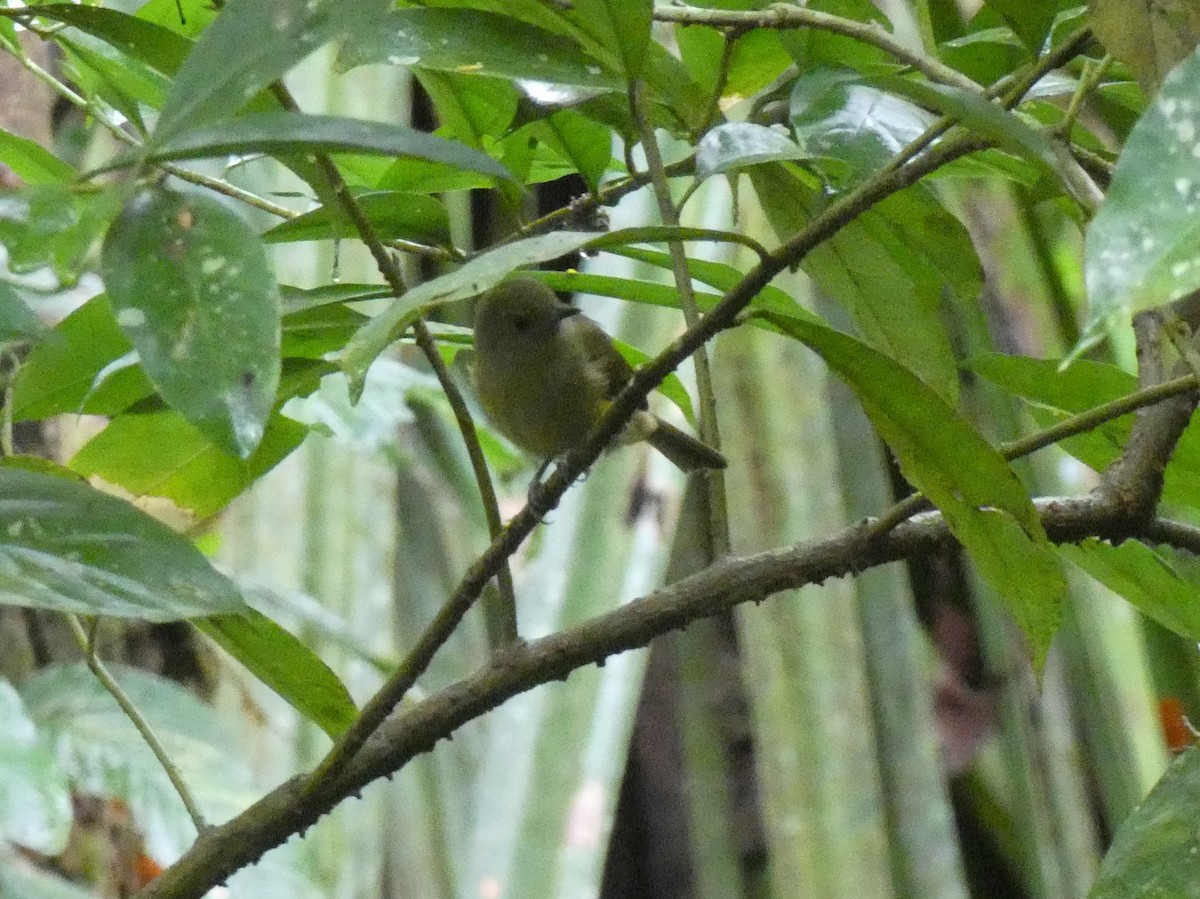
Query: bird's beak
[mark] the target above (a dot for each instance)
(565, 311)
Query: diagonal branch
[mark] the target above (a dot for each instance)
(392, 740)
(724, 315)
(292, 808)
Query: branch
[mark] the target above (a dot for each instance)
(715, 496)
(87, 643)
(1068, 427)
(506, 611)
(291, 809)
(1134, 482)
(787, 16)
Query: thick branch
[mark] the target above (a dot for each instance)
(290, 809)
(1134, 483)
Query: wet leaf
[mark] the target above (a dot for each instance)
(68, 547)
(738, 144)
(191, 288)
(1140, 250)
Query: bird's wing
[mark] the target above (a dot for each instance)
(600, 354)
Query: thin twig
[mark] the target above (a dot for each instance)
(87, 643)
(714, 101)
(718, 511)
(1092, 75)
(608, 195)
(788, 16)
(1068, 427)
(505, 613)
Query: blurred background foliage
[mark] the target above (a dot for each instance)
(875, 736)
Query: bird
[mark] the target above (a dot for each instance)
(545, 373)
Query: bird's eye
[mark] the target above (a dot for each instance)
(521, 322)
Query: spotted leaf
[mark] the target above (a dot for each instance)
(192, 289)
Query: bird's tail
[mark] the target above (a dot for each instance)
(685, 451)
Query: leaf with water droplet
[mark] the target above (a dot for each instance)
(1140, 251)
(192, 289)
(475, 41)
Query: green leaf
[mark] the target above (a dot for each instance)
(835, 116)
(285, 665)
(192, 289)
(1006, 129)
(420, 176)
(313, 333)
(621, 26)
(197, 15)
(488, 270)
(1076, 389)
(815, 49)
(35, 797)
(1054, 393)
(108, 84)
(985, 55)
(739, 144)
(984, 503)
(18, 323)
(647, 292)
(475, 42)
(289, 132)
(249, 45)
(889, 268)
(758, 58)
(1151, 854)
(393, 214)
(676, 100)
(31, 162)
(720, 275)
(114, 76)
(64, 375)
(1139, 251)
(139, 39)
(50, 225)
(470, 108)
(161, 454)
(8, 35)
(1145, 578)
(584, 143)
(68, 547)
(1029, 19)
(470, 280)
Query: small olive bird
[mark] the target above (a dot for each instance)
(546, 373)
